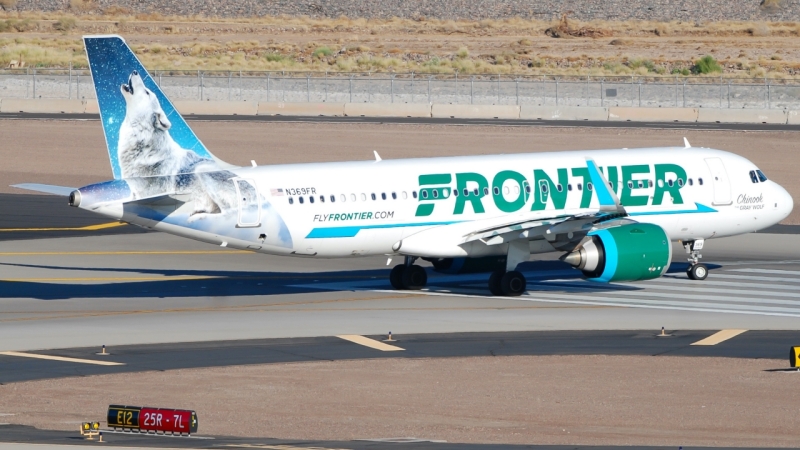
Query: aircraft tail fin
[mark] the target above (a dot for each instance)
(135, 113)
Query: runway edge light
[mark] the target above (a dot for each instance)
(794, 356)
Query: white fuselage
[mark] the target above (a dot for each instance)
(365, 208)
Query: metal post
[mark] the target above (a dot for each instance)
(351, 88)
(603, 91)
(544, 100)
(199, 89)
(69, 84)
(684, 93)
(516, 82)
(412, 87)
(268, 75)
(498, 89)
(456, 86)
(429, 89)
(587, 90)
(729, 94)
(283, 86)
(308, 87)
(78, 86)
(720, 92)
(229, 85)
(769, 95)
(556, 91)
(471, 90)
(34, 82)
(326, 85)
(676, 91)
(640, 92)
(391, 86)
(240, 85)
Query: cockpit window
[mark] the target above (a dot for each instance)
(753, 176)
(761, 175)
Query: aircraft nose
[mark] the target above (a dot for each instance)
(785, 202)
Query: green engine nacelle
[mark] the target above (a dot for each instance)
(629, 252)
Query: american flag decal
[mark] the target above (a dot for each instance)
(276, 192)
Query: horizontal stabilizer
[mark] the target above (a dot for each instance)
(63, 191)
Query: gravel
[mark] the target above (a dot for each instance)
(659, 10)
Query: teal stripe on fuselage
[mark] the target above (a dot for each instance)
(352, 231)
(345, 232)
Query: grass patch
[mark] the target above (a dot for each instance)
(322, 52)
(705, 65)
(65, 24)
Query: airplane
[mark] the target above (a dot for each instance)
(612, 213)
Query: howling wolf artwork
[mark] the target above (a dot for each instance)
(158, 160)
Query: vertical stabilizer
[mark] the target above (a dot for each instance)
(139, 121)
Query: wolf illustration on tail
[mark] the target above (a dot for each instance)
(150, 145)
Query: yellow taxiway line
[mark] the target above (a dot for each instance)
(720, 336)
(101, 226)
(371, 343)
(62, 358)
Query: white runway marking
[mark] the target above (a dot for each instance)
(737, 290)
(62, 358)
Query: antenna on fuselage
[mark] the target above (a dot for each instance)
(686, 143)
(377, 156)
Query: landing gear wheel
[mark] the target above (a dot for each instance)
(697, 272)
(513, 284)
(396, 276)
(414, 278)
(494, 282)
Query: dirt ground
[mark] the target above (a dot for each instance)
(72, 153)
(598, 400)
(745, 49)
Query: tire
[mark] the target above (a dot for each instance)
(494, 282)
(414, 278)
(396, 276)
(698, 272)
(513, 284)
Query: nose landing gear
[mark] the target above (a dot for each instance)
(408, 276)
(696, 270)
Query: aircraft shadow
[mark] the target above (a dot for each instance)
(547, 276)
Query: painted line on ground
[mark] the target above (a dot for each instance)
(720, 336)
(62, 358)
(101, 226)
(371, 343)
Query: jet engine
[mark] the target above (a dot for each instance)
(629, 252)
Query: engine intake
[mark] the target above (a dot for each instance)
(629, 252)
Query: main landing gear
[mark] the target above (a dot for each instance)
(510, 282)
(696, 270)
(408, 276)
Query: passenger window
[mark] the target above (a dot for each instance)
(363, 197)
(414, 194)
(455, 192)
(466, 192)
(291, 201)
(435, 193)
(569, 187)
(753, 176)
(559, 188)
(670, 183)
(641, 184)
(680, 182)
(580, 186)
(661, 183)
(650, 183)
(476, 192)
(544, 188)
(700, 181)
(527, 188)
(373, 196)
(506, 190)
(352, 197)
(333, 198)
(301, 200)
(383, 195)
(322, 199)
(311, 199)
(424, 194)
(630, 184)
(394, 196)
(405, 196)
(691, 182)
(486, 191)
(761, 175)
(589, 186)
